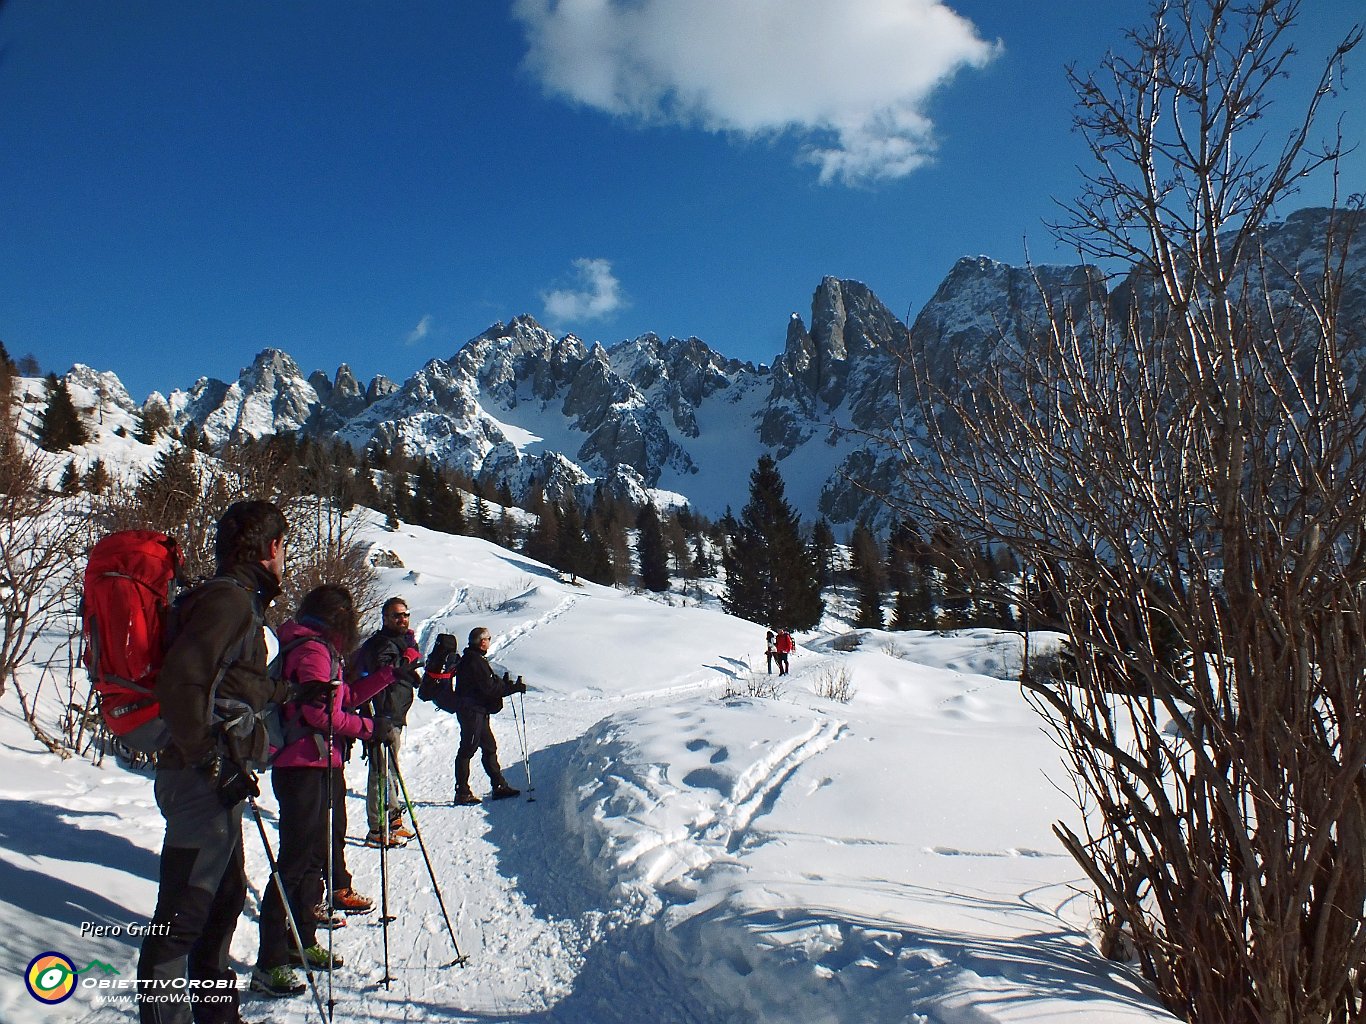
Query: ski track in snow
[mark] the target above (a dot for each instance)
(510, 637)
(427, 629)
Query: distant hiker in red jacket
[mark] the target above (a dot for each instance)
(784, 646)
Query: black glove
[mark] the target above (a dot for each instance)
(517, 687)
(406, 672)
(231, 784)
(384, 731)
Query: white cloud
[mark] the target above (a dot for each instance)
(850, 79)
(598, 294)
(423, 328)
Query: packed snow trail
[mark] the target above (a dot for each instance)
(693, 855)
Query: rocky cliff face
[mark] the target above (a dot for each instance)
(520, 405)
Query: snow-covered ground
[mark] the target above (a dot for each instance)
(692, 853)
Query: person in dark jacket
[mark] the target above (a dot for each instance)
(393, 645)
(476, 695)
(204, 776)
(303, 773)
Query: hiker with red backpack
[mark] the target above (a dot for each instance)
(215, 667)
(303, 776)
(784, 646)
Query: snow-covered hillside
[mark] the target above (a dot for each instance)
(692, 853)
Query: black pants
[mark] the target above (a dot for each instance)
(476, 733)
(302, 860)
(203, 886)
(341, 878)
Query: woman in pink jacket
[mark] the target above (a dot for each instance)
(303, 771)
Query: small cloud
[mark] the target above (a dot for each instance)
(597, 296)
(850, 81)
(418, 333)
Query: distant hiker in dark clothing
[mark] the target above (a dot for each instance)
(770, 651)
(394, 644)
(303, 775)
(476, 695)
(203, 777)
(784, 646)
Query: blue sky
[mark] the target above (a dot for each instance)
(184, 184)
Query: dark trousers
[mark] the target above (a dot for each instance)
(203, 886)
(302, 860)
(476, 733)
(341, 878)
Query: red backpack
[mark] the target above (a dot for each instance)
(130, 583)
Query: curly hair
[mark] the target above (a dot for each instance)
(246, 531)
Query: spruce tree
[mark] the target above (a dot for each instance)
(153, 421)
(823, 552)
(60, 426)
(96, 479)
(868, 574)
(8, 371)
(71, 479)
(542, 540)
(571, 546)
(770, 577)
(168, 492)
(654, 553)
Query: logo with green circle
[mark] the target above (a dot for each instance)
(50, 977)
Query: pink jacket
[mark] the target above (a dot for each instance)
(310, 663)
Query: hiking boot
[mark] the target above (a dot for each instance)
(464, 798)
(327, 918)
(396, 828)
(376, 838)
(279, 982)
(502, 791)
(318, 958)
(348, 901)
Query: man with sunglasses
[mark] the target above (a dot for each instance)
(393, 644)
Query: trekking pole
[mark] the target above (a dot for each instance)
(327, 889)
(460, 958)
(289, 913)
(378, 751)
(521, 735)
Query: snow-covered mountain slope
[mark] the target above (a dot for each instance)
(692, 853)
(519, 405)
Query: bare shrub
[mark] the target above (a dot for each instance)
(41, 538)
(1182, 468)
(497, 599)
(835, 682)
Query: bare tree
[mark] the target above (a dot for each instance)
(41, 539)
(1181, 464)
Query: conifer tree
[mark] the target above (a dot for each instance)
(71, 479)
(654, 554)
(867, 570)
(542, 540)
(170, 489)
(153, 421)
(96, 479)
(823, 552)
(60, 426)
(8, 371)
(571, 546)
(599, 567)
(770, 577)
